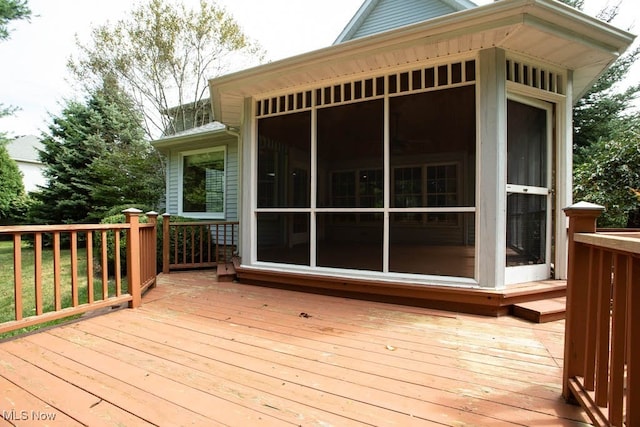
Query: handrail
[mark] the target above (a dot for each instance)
(106, 291)
(602, 332)
(198, 244)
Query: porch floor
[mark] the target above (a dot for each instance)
(199, 352)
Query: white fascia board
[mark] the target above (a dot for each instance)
(566, 22)
(171, 141)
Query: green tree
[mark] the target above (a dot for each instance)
(11, 10)
(610, 174)
(95, 158)
(606, 160)
(13, 199)
(162, 54)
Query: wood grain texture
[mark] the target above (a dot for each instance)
(200, 352)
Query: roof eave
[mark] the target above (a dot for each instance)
(171, 141)
(546, 13)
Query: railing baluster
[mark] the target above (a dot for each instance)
(603, 316)
(209, 242)
(224, 243)
(201, 241)
(591, 325)
(233, 238)
(17, 274)
(118, 262)
(37, 268)
(217, 239)
(184, 245)
(57, 271)
(104, 264)
(176, 231)
(74, 268)
(618, 335)
(89, 267)
(193, 244)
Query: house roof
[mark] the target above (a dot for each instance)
(25, 149)
(544, 30)
(210, 129)
(375, 16)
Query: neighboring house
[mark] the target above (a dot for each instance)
(431, 145)
(24, 150)
(188, 116)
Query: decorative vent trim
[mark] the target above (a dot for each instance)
(415, 80)
(535, 76)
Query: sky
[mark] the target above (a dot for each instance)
(33, 71)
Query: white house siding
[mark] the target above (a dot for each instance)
(231, 170)
(32, 176)
(390, 14)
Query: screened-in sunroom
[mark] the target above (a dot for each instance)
(438, 153)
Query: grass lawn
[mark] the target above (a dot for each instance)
(7, 303)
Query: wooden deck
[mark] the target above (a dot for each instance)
(198, 352)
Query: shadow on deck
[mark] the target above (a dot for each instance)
(201, 352)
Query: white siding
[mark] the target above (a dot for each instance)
(32, 175)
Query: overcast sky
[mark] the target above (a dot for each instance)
(33, 71)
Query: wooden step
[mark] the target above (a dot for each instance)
(226, 272)
(541, 311)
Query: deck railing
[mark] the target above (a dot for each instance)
(602, 338)
(55, 298)
(201, 244)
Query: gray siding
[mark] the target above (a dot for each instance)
(389, 14)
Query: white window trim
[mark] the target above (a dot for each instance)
(203, 215)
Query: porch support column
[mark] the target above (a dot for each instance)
(246, 179)
(492, 168)
(564, 177)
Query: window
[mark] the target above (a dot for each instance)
(203, 183)
(442, 191)
(438, 190)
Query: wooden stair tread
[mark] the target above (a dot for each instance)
(541, 311)
(226, 272)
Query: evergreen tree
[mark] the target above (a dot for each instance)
(95, 157)
(13, 199)
(11, 10)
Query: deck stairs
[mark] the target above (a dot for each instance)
(541, 311)
(226, 272)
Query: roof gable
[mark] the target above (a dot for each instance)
(376, 16)
(25, 149)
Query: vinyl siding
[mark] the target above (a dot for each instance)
(389, 14)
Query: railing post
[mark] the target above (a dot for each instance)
(633, 344)
(133, 255)
(582, 219)
(166, 217)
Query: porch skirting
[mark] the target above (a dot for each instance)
(486, 302)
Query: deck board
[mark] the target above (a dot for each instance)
(200, 352)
